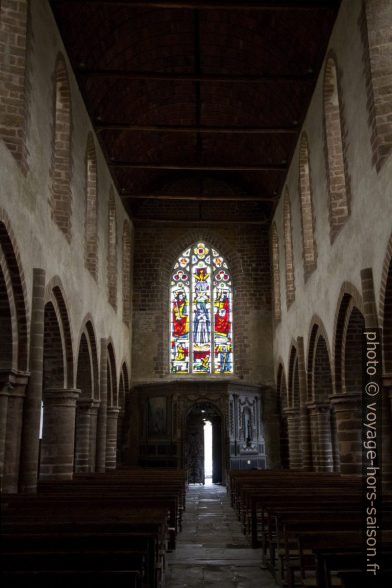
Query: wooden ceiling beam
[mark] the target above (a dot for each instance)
(196, 129)
(198, 197)
(197, 167)
(258, 5)
(200, 222)
(192, 77)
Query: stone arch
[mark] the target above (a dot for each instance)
(123, 385)
(13, 300)
(126, 273)
(112, 376)
(317, 330)
(59, 395)
(348, 292)
(336, 163)
(125, 411)
(60, 171)
(293, 378)
(288, 248)
(87, 328)
(91, 237)
(385, 307)
(349, 326)
(54, 294)
(112, 250)
(282, 405)
(306, 204)
(276, 272)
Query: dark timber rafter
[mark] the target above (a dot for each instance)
(195, 129)
(199, 167)
(257, 5)
(127, 74)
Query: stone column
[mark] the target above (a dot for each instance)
(111, 437)
(304, 413)
(32, 403)
(120, 435)
(5, 390)
(321, 437)
(82, 435)
(58, 441)
(93, 435)
(348, 411)
(102, 413)
(13, 437)
(294, 435)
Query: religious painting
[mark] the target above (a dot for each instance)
(201, 313)
(157, 425)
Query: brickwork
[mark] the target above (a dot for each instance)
(112, 251)
(385, 306)
(126, 273)
(306, 201)
(246, 251)
(14, 83)
(288, 248)
(91, 238)
(376, 31)
(282, 405)
(60, 171)
(336, 160)
(15, 286)
(275, 272)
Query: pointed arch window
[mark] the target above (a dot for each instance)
(201, 321)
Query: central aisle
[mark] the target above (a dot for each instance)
(211, 550)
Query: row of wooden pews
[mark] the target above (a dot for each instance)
(114, 527)
(309, 525)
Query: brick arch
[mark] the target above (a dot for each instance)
(60, 170)
(126, 273)
(352, 349)
(306, 204)
(336, 161)
(87, 330)
(91, 237)
(288, 248)
(281, 386)
(16, 292)
(123, 384)
(112, 376)
(385, 307)
(282, 405)
(8, 320)
(112, 250)
(317, 330)
(54, 293)
(293, 378)
(275, 272)
(348, 294)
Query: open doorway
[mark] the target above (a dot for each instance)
(203, 444)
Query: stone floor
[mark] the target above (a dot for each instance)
(211, 550)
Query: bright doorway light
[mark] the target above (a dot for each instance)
(208, 452)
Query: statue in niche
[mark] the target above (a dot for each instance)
(247, 427)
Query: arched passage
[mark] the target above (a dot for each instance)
(112, 411)
(293, 414)
(87, 406)
(282, 406)
(350, 325)
(124, 408)
(321, 413)
(58, 395)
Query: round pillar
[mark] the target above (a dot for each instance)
(111, 438)
(294, 435)
(58, 441)
(348, 411)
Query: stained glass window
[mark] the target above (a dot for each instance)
(201, 313)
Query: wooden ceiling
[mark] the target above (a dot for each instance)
(197, 105)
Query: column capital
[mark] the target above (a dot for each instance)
(291, 412)
(61, 396)
(318, 406)
(13, 382)
(113, 411)
(346, 401)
